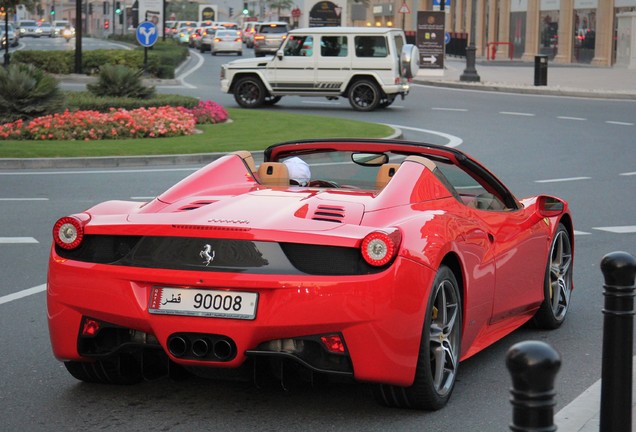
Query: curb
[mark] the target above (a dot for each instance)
(123, 161)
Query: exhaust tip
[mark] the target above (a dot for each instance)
(223, 349)
(200, 348)
(177, 346)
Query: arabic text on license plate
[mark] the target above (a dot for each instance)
(205, 303)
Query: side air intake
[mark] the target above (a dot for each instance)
(329, 213)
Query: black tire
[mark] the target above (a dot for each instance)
(272, 100)
(364, 95)
(121, 370)
(249, 92)
(439, 355)
(387, 101)
(558, 282)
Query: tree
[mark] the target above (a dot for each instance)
(280, 5)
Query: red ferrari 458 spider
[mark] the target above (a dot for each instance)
(384, 261)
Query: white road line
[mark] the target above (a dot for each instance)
(516, 113)
(453, 141)
(571, 118)
(135, 198)
(17, 240)
(581, 233)
(24, 293)
(619, 123)
(128, 171)
(24, 199)
(628, 229)
(450, 109)
(628, 173)
(562, 179)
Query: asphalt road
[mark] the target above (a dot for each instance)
(581, 150)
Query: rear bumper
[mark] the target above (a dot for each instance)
(380, 316)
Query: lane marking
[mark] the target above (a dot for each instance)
(128, 171)
(450, 109)
(571, 118)
(17, 240)
(619, 123)
(562, 179)
(627, 229)
(453, 141)
(142, 198)
(516, 113)
(628, 173)
(581, 233)
(24, 199)
(24, 293)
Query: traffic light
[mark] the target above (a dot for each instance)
(118, 8)
(245, 10)
(106, 24)
(231, 13)
(53, 10)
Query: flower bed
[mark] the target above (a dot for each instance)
(153, 122)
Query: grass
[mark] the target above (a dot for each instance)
(248, 130)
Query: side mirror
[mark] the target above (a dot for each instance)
(550, 206)
(279, 54)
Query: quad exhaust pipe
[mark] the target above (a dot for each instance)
(200, 346)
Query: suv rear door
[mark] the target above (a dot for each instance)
(333, 67)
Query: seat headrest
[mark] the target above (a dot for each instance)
(273, 174)
(385, 173)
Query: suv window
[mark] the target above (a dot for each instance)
(272, 28)
(299, 46)
(333, 46)
(371, 46)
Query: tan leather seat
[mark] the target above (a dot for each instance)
(273, 174)
(385, 173)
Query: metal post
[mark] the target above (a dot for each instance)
(619, 271)
(533, 366)
(78, 36)
(7, 56)
(470, 73)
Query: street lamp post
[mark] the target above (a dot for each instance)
(470, 73)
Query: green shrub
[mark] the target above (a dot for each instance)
(53, 62)
(27, 92)
(86, 101)
(120, 81)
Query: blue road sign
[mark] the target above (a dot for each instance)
(437, 2)
(447, 38)
(147, 34)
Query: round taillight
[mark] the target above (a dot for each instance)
(378, 248)
(68, 232)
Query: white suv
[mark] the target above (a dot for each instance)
(369, 66)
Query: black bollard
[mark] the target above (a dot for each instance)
(619, 271)
(533, 366)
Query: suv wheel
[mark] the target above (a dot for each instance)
(364, 95)
(249, 92)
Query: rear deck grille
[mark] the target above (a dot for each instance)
(329, 213)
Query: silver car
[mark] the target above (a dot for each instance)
(29, 28)
(268, 37)
(227, 41)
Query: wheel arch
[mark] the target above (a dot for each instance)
(360, 77)
(238, 76)
(452, 261)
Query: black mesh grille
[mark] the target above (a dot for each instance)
(327, 260)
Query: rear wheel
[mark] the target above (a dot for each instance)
(249, 92)
(364, 95)
(558, 282)
(440, 346)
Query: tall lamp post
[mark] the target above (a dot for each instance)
(470, 73)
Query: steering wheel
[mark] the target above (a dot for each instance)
(323, 183)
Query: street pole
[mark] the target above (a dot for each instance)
(470, 73)
(78, 36)
(6, 33)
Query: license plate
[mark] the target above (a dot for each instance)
(203, 303)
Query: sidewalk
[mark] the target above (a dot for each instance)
(518, 77)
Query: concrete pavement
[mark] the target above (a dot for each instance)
(518, 77)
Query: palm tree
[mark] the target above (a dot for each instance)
(280, 5)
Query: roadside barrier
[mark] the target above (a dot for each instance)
(619, 271)
(533, 365)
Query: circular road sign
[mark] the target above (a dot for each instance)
(147, 34)
(447, 38)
